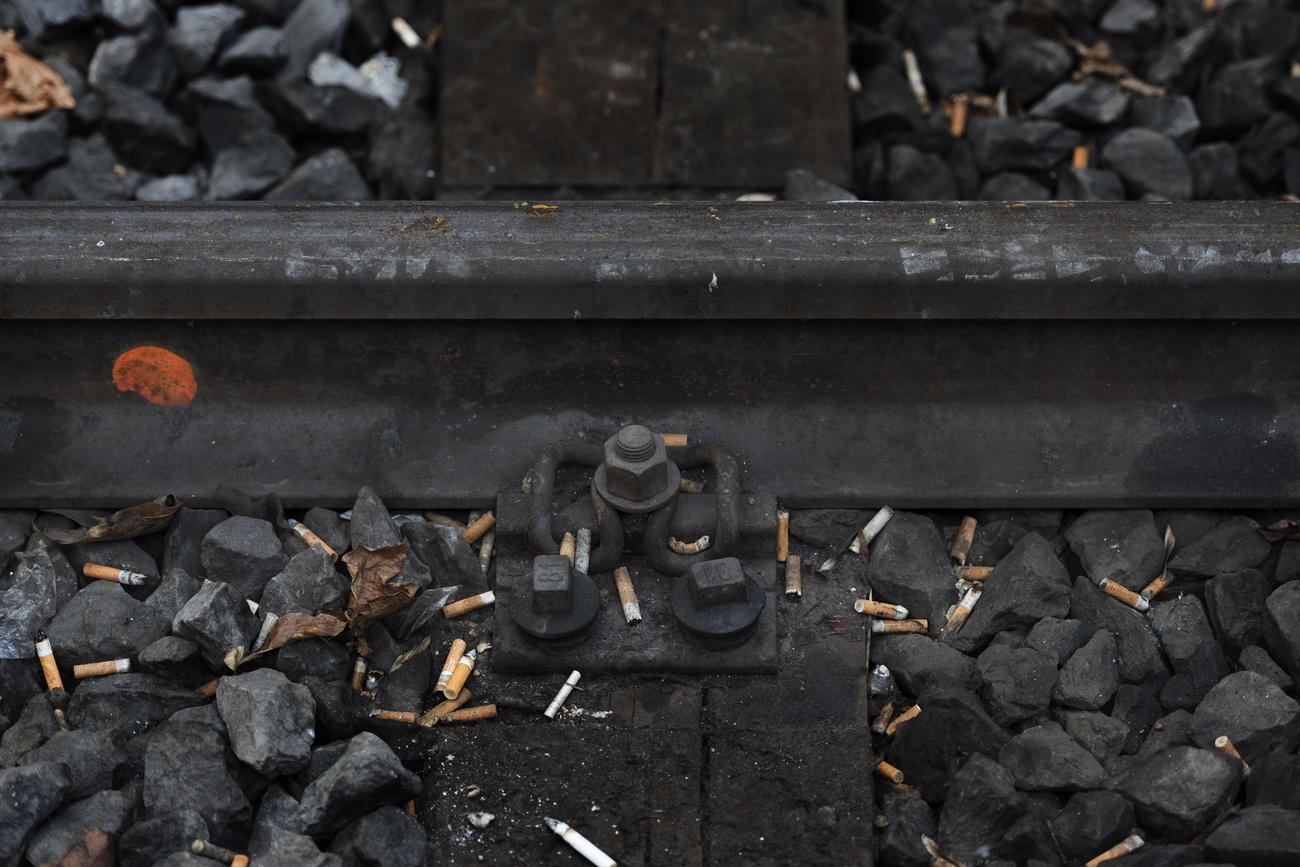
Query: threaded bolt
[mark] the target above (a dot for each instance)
(635, 443)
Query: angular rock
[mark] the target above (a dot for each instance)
(945, 38)
(34, 726)
(910, 567)
(918, 176)
(184, 538)
(243, 552)
(1090, 676)
(185, 769)
(1013, 186)
(1174, 116)
(269, 719)
(1032, 64)
(30, 794)
(1257, 835)
(27, 604)
(1232, 546)
(227, 114)
(995, 537)
(20, 682)
(108, 812)
(372, 526)
(1029, 584)
(405, 688)
(276, 847)
(175, 659)
(328, 111)
(1252, 711)
(217, 619)
(134, 59)
(367, 775)
(1060, 637)
(15, 527)
(1182, 627)
(1255, 658)
(127, 704)
(1020, 144)
(1275, 780)
(177, 587)
(1140, 657)
(143, 132)
(1092, 822)
(1203, 669)
(1083, 104)
(308, 583)
(401, 161)
(386, 836)
(1288, 563)
(828, 528)
(1101, 735)
(1215, 171)
(1138, 706)
(908, 820)
(274, 813)
(204, 714)
(339, 709)
(1150, 164)
(1178, 791)
(103, 621)
(1235, 603)
(153, 839)
(1045, 758)
(257, 51)
(314, 26)
(1236, 97)
(92, 759)
(1131, 18)
(1089, 185)
(1262, 151)
(198, 33)
(1281, 627)
(449, 558)
(329, 176)
(1119, 544)
(130, 14)
(802, 185)
(1015, 684)
(982, 801)
(322, 658)
(245, 171)
(27, 144)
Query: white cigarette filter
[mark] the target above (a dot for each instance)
(580, 844)
(562, 695)
(872, 529)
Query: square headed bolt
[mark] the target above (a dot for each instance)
(552, 584)
(715, 581)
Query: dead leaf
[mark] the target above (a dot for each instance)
(411, 654)
(372, 596)
(1288, 528)
(94, 849)
(138, 520)
(28, 86)
(289, 628)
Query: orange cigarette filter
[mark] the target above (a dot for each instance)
(442, 708)
(96, 669)
(209, 689)
(957, 124)
(1130, 844)
(449, 665)
(1153, 589)
(395, 715)
(568, 546)
(916, 625)
(903, 718)
(961, 613)
(675, 441)
(471, 714)
(304, 532)
(881, 722)
(880, 609)
(410, 807)
(239, 861)
(1079, 159)
(965, 538)
(359, 674)
(973, 573)
(782, 535)
(475, 531)
(464, 666)
(472, 603)
(793, 576)
(111, 573)
(888, 771)
(1123, 594)
(627, 595)
(49, 667)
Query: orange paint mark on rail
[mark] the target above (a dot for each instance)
(157, 375)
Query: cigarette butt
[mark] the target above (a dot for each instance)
(1129, 844)
(627, 595)
(435, 714)
(1153, 589)
(209, 689)
(95, 669)
(675, 441)
(49, 667)
(406, 33)
(917, 625)
(449, 665)
(793, 576)
(304, 532)
(582, 550)
(486, 548)
(1123, 594)
(471, 714)
(439, 518)
(937, 857)
(965, 538)
(205, 849)
(109, 573)
(239, 861)
(880, 609)
(690, 486)
(888, 771)
(475, 531)
(568, 546)
(464, 666)
(906, 716)
(871, 530)
(1224, 743)
(911, 792)
(1209, 5)
(782, 535)
(973, 573)
(563, 694)
(394, 715)
(464, 606)
(410, 807)
(957, 123)
(680, 547)
(961, 612)
(359, 674)
(1079, 159)
(580, 844)
(881, 722)
(915, 81)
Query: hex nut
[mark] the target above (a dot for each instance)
(716, 581)
(552, 584)
(636, 463)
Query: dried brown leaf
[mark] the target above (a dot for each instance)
(373, 597)
(138, 520)
(28, 86)
(1288, 528)
(297, 626)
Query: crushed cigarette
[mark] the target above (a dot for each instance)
(690, 486)
(209, 689)
(961, 544)
(96, 669)
(580, 844)
(680, 547)
(900, 625)
(782, 535)
(1123, 594)
(439, 518)
(472, 603)
(1131, 843)
(28, 86)
(973, 573)
(675, 441)
(109, 573)
(304, 532)
(627, 595)
(563, 694)
(914, 80)
(881, 722)
(793, 576)
(435, 714)
(958, 617)
(1224, 744)
(957, 118)
(871, 530)
(937, 857)
(880, 609)
(1164, 579)
(905, 717)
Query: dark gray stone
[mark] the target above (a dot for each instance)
(217, 619)
(20, 682)
(227, 114)
(329, 176)
(982, 801)
(918, 176)
(30, 794)
(130, 14)
(1182, 627)
(1092, 822)
(52, 19)
(1101, 735)
(276, 847)
(1255, 658)
(258, 51)
(27, 144)
(1090, 676)
(1275, 781)
(367, 775)
(1119, 544)
(242, 552)
(34, 726)
(1089, 185)
(401, 161)
(1085, 104)
(271, 10)
(1032, 64)
(910, 567)
(186, 859)
(1235, 603)
(204, 714)
(66, 583)
(388, 836)
(127, 704)
(15, 527)
(333, 530)
(372, 526)
(110, 812)
(309, 582)
(247, 170)
(1140, 657)
(1215, 170)
(177, 587)
(1045, 758)
(1135, 18)
(1232, 546)
(1203, 669)
(339, 708)
(1288, 560)
(92, 758)
(1252, 711)
(448, 557)
(802, 185)
(945, 38)
(1138, 706)
(198, 33)
(185, 769)
(1029, 584)
(324, 658)
(1263, 835)
(103, 621)
(1174, 116)
(405, 688)
(325, 111)
(314, 26)
(275, 813)
(827, 529)
(1020, 144)
(1060, 637)
(1178, 791)
(908, 819)
(1013, 186)
(994, 539)
(1281, 627)
(27, 604)
(1150, 163)
(1261, 152)
(1171, 730)
(143, 132)
(1236, 97)
(153, 839)
(135, 59)
(1015, 684)
(269, 719)
(184, 538)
